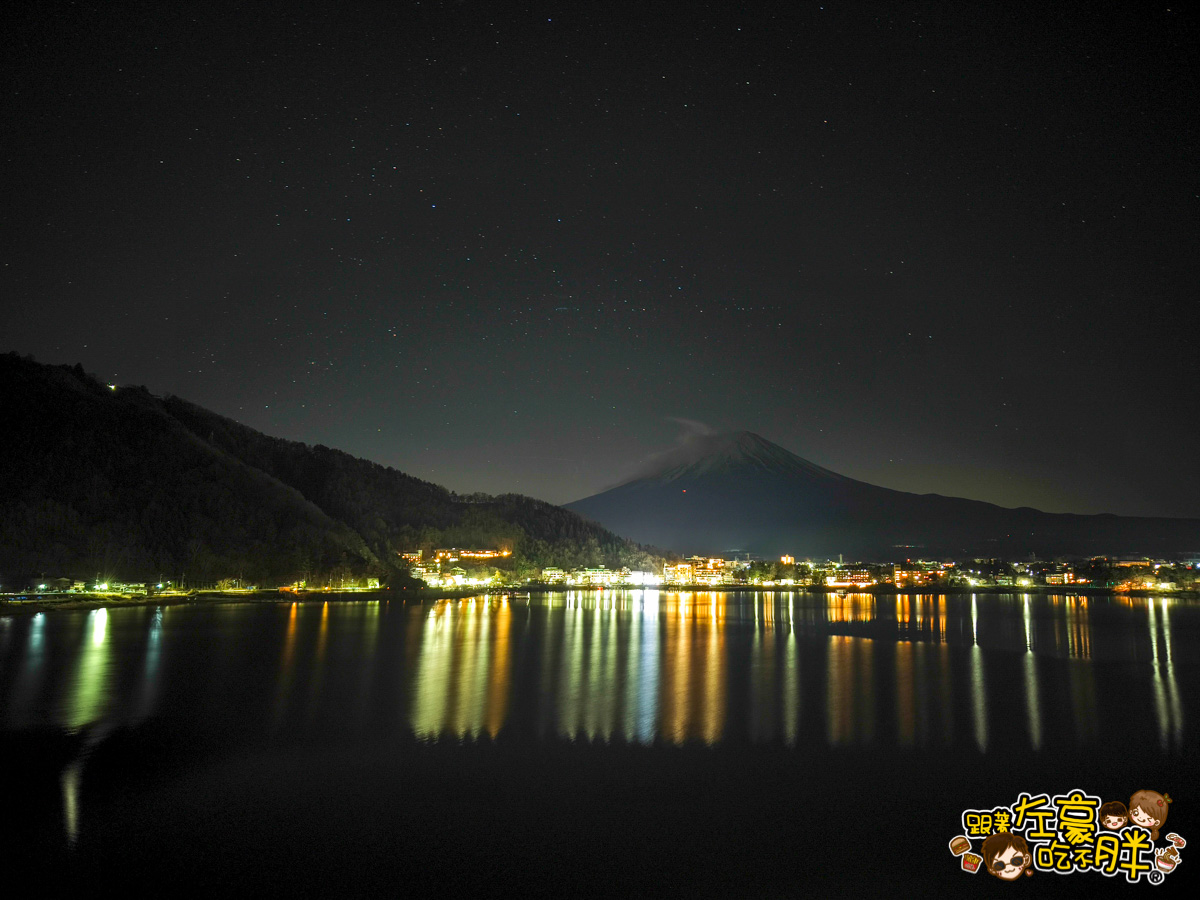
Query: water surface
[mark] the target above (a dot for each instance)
(993, 671)
(603, 708)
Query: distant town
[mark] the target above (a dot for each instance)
(458, 569)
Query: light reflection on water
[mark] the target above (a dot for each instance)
(984, 671)
(1166, 691)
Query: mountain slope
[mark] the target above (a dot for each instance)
(126, 485)
(740, 491)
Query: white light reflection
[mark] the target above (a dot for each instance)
(1033, 709)
(978, 684)
(149, 689)
(84, 713)
(1166, 692)
(791, 682)
(1172, 687)
(99, 626)
(570, 683)
(89, 693)
(647, 663)
(71, 777)
(433, 671)
(30, 679)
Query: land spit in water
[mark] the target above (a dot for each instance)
(17, 603)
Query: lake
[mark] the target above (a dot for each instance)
(593, 742)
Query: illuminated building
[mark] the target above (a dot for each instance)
(916, 573)
(682, 573)
(454, 554)
(708, 570)
(850, 576)
(598, 576)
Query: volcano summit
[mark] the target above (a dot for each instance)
(739, 491)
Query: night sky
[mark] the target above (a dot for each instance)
(522, 248)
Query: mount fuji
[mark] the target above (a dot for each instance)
(740, 492)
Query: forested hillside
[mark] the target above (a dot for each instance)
(116, 482)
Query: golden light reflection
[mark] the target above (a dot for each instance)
(496, 705)
(850, 698)
(323, 633)
(692, 687)
(287, 666)
(673, 689)
(649, 666)
(316, 665)
(1079, 672)
(905, 693)
(774, 679)
(922, 613)
(462, 679)
(371, 612)
(1079, 633)
(924, 693)
(713, 723)
(850, 608)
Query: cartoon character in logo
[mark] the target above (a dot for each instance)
(1114, 815)
(1149, 809)
(1006, 855)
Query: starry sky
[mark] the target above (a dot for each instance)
(523, 247)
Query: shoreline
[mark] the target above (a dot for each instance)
(35, 603)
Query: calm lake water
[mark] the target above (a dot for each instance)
(149, 714)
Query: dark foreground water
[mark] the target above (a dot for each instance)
(601, 743)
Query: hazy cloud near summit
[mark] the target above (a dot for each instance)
(691, 428)
(696, 440)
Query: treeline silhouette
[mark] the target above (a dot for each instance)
(123, 484)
